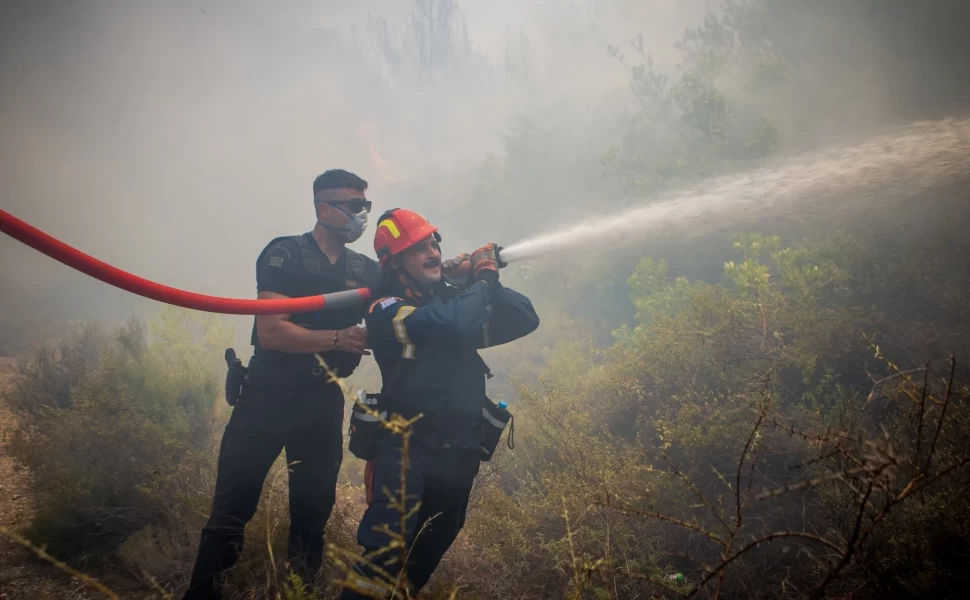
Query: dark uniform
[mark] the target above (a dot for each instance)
(287, 404)
(427, 351)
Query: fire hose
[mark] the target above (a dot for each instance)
(58, 250)
(102, 271)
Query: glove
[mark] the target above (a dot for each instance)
(484, 263)
(457, 271)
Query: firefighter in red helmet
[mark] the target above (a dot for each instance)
(425, 330)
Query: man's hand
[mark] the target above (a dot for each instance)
(485, 263)
(353, 340)
(458, 270)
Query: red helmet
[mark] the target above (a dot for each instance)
(397, 230)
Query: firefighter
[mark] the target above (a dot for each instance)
(287, 402)
(425, 335)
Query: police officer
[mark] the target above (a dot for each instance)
(288, 403)
(425, 335)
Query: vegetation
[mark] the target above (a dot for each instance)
(117, 430)
(771, 415)
(725, 417)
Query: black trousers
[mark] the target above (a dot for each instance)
(308, 425)
(441, 480)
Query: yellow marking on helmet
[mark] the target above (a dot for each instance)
(390, 227)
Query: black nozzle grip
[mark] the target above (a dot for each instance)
(498, 258)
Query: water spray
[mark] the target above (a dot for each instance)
(916, 157)
(910, 159)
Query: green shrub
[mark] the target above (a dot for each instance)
(46, 379)
(636, 441)
(117, 431)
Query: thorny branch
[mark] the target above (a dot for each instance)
(946, 403)
(40, 553)
(386, 584)
(610, 502)
(903, 375)
(739, 501)
(697, 492)
(850, 546)
(749, 446)
(879, 476)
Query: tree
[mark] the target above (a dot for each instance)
(688, 126)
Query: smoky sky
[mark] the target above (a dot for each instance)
(174, 139)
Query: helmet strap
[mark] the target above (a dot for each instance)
(412, 288)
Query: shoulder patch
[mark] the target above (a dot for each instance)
(281, 247)
(383, 303)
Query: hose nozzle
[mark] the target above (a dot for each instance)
(498, 258)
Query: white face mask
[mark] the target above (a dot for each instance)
(356, 224)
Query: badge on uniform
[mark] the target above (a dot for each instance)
(351, 285)
(388, 302)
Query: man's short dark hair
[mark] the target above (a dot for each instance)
(336, 179)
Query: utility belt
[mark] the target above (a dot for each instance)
(238, 376)
(365, 423)
(299, 372)
(371, 409)
(495, 418)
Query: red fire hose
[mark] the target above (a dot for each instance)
(58, 250)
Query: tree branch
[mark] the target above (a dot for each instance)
(767, 538)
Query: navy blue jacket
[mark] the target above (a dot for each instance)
(427, 351)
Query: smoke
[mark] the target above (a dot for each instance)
(175, 139)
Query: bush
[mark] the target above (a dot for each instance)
(45, 380)
(120, 430)
(117, 431)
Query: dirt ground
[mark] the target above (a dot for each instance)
(22, 575)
